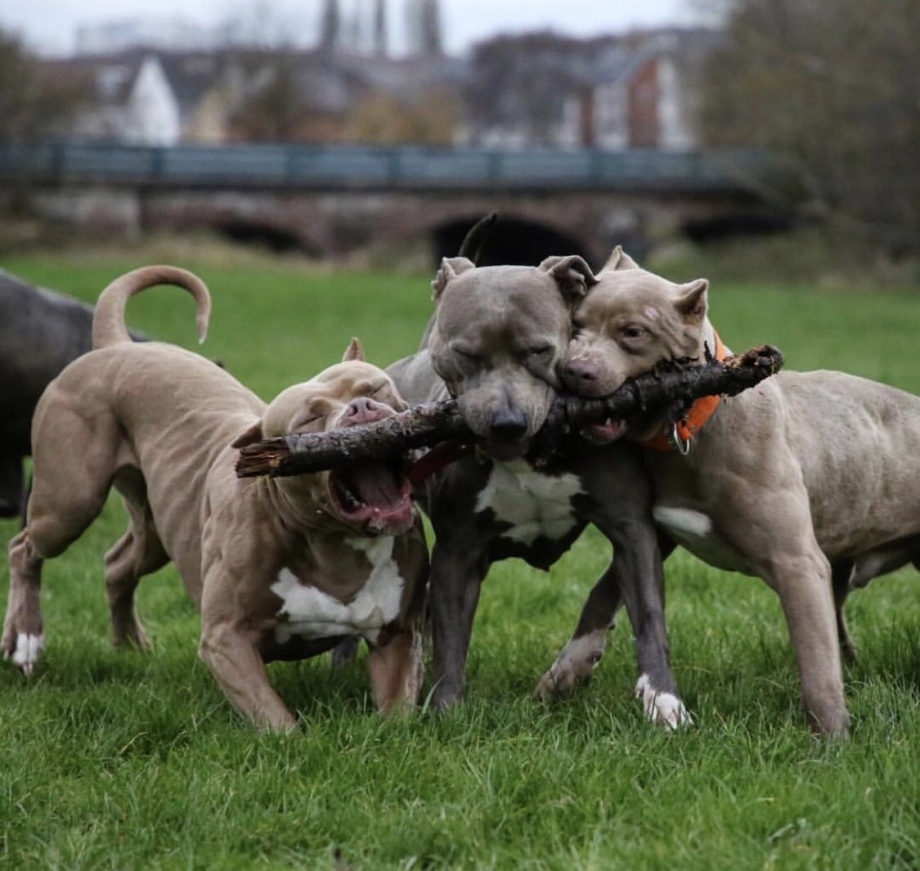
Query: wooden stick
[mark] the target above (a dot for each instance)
(435, 422)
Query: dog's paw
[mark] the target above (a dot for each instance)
(662, 707)
(573, 667)
(26, 651)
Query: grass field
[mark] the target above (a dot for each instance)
(125, 760)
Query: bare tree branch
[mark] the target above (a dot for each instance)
(432, 423)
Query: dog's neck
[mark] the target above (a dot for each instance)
(677, 435)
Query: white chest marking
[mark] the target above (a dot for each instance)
(535, 504)
(694, 530)
(311, 613)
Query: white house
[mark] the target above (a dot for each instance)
(151, 114)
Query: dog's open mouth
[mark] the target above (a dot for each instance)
(603, 433)
(373, 496)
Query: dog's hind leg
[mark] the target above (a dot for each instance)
(137, 553)
(581, 655)
(69, 490)
(840, 579)
(129, 559)
(345, 652)
(23, 630)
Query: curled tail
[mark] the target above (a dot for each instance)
(109, 320)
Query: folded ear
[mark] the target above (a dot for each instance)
(691, 305)
(619, 259)
(354, 351)
(572, 274)
(249, 436)
(450, 268)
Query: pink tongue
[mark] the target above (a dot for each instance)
(609, 431)
(377, 486)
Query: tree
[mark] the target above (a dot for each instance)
(382, 119)
(431, 29)
(829, 88)
(276, 111)
(380, 28)
(518, 85)
(329, 26)
(36, 100)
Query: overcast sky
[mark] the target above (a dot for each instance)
(49, 25)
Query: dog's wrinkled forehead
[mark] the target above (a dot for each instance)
(497, 295)
(349, 379)
(328, 393)
(631, 292)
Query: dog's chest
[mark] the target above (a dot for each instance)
(695, 531)
(308, 612)
(534, 504)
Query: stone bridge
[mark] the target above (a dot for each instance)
(333, 202)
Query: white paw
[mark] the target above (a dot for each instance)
(28, 651)
(659, 707)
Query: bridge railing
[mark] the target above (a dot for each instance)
(306, 167)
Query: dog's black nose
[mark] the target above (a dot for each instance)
(508, 425)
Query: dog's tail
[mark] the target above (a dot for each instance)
(109, 320)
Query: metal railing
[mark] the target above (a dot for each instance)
(367, 167)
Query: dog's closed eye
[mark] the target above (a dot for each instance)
(468, 355)
(307, 420)
(537, 353)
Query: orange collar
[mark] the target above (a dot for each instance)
(692, 422)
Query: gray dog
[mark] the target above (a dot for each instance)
(495, 343)
(804, 481)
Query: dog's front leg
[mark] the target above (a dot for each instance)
(456, 578)
(232, 655)
(395, 669)
(803, 583)
(638, 568)
(23, 633)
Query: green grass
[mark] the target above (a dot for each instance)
(125, 760)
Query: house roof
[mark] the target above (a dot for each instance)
(112, 76)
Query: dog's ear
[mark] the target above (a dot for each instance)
(450, 268)
(249, 436)
(619, 259)
(692, 303)
(572, 274)
(354, 351)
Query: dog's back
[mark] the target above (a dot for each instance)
(851, 436)
(149, 417)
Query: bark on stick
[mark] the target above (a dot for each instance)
(432, 423)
